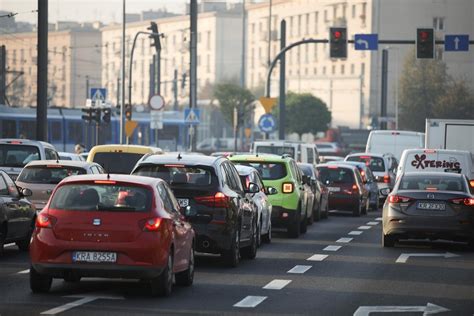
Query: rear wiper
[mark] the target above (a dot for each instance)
(101, 207)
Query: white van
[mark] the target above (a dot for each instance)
(394, 142)
(299, 151)
(437, 160)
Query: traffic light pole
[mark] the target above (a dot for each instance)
(282, 103)
(383, 103)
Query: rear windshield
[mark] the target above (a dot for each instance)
(95, 197)
(321, 146)
(115, 162)
(17, 155)
(306, 170)
(432, 182)
(48, 174)
(179, 175)
(336, 175)
(375, 164)
(64, 157)
(276, 150)
(268, 170)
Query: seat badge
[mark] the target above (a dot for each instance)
(96, 222)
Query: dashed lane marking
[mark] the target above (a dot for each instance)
(277, 284)
(344, 240)
(378, 219)
(372, 223)
(24, 271)
(250, 301)
(364, 227)
(299, 269)
(332, 248)
(317, 257)
(83, 299)
(355, 232)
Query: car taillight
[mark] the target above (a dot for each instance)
(45, 221)
(217, 200)
(287, 187)
(152, 224)
(471, 183)
(465, 201)
(398, 199)
(386, 179)
(355, 188)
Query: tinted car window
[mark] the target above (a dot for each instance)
(234, 177)
(375, 164)
(336, 175)
(95, 197)
(268, 170)
(117, 162)
(17, 155)
(306, 170)
(423, 182)
(50, 154)
(3, 187)
(64, 157)
(276, 150)
(179, 175)
(48, 174)
(165, 198)
(12, 188)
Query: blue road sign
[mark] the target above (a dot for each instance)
(366, 41)
(267, 123)
(191, 116)
(456, 43)
(98, 94)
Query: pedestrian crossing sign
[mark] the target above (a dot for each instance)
(191, 116)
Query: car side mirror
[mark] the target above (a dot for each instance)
(271, 191)
(306, 180)
(26, 192)
(252, 188)
(385, 191)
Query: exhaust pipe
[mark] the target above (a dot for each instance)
(205, 244)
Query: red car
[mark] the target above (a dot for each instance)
(112, 226)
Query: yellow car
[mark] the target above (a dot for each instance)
(120, 158)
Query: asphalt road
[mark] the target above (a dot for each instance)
(337, 268)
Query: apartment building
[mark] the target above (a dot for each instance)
(219, 55)
(350, 87)
(74, 62)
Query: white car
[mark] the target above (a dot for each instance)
(70, 156)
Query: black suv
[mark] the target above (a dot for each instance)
(212, 198)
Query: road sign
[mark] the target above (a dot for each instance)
(98, 94)
(267, 103)
(366, 41)
(191, 116)
(267, 123)
(130, 127)
(456, 43)
(156, 102)
(156, 121)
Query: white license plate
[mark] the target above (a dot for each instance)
(183, 202)
(94, 256)
(431, 206)
(334, 189)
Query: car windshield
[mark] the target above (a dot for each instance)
(17, 155)
(179, 175)
(276, 150)
(48, 174)
(336, 175)
(376, 164)
(102, 197)
(432, 183)
(268, 170)
(117, 162)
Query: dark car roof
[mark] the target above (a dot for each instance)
(180, 159)
(113, 177)
(339, 165)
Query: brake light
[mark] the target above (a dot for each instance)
(386, 179)
(471, 183)
(365, 157)
(287, 187)
(333, 167)
(152, 224)
(54, 166)
(429, 151)
(15, 142)
(45, 221)
(217, 200)
(355, 188)
(465, 201)
(398, 199)
(174, 166)
(105, 182)
(431, 189)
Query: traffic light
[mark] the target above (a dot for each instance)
(425, 43)
(183, 80)
(128, 112)
(107, 112)
(95, 115)
(338, 42)
(87, 115)
(155, 37)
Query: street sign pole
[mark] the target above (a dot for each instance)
(282, 108)
(383, 110)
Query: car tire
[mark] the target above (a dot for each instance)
(259, 235)
(366, 207)
(250, 252)
(388, 241)
(326, 212)
(24, 245)
(71, 278)
(375, 206)
(163, 284)
(317, 213)
(294, 227)
(304, 225)
(267, 238)
(311, 218)
(3, 235)
(232, 255)
(39, 283)
(186, 278)
(356, 212)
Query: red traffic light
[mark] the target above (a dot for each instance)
(337, 34)
(424, 35)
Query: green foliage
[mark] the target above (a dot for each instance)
(427, 91)
(305, 113)
(232, 96)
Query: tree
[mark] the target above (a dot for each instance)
(456, 103)
(306, 113)
(232, 96)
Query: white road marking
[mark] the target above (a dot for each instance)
(355, 232)
(364, 227)
(344, 240)
(372, 223)
(332, 248)
(317, 257)
(299, 269)
(404, 256)
(378, 219)
(24, 271)
(277, 284)
(250, 301)
(84, 299)
(429, 309)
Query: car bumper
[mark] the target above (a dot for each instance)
(213, 238)
(343, 202)
(282, 217)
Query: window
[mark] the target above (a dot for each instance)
(51, 154)
(208, 39)
(316, 21)
(315, 71)
(333, 71)
(9, 129)
(28, 128)
(325, 16)
(3, 187)
(342, 69)
(352, 69)
(292, 27)
(56, 131)
(50, 175)
(299, 25)
(353, 11)
(306, 55)
(438, 23)
(306, 32)
(167, 204)
(324, 70)
(12, 188)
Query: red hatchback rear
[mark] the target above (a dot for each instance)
(116, 226)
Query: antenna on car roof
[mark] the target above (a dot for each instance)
(179, 156)
(108, 175)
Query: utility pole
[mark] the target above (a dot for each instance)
(3, 74)
(122, 104)
(42, 76)
(175, 90)
(193, 70)
(87, 87)
(383, 109)
(269, 33)
(282, 107)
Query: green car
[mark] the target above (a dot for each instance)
(290, 206)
